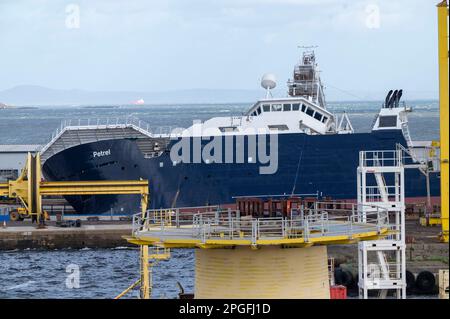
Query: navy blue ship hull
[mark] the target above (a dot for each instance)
(307, 164)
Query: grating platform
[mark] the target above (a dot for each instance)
(220, 230)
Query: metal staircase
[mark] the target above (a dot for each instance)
(382, 263)
(406, 134)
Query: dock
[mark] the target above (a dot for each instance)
(87, 236)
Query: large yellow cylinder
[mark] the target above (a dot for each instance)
(269, 272)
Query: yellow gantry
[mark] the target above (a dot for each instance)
(444, 113)
(29, 188)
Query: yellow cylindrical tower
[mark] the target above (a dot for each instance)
(268, 272)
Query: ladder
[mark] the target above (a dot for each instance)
(406, 134)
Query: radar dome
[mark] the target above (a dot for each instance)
(268, 81)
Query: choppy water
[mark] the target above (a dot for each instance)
(35, 126)
(105, 273)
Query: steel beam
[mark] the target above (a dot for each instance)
(30, 188)
(444, 112)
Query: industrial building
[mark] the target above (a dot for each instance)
(13, 159)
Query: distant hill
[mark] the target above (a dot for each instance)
(38, 95)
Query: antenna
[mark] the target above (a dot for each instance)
(268, 82)
(307, 47)
(308, 53)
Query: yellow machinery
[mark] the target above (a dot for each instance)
(430, 220)
(29, 189)
(444, 121)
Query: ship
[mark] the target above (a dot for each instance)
(280, 147)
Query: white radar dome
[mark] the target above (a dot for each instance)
(268, 81)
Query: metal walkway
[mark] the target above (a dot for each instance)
(227, 228)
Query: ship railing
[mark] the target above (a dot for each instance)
(407, 154)
(99, 122)
(226, 224)
(113, 122)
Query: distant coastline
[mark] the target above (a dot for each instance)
(31, 95)
(101, 107)
(8, 107)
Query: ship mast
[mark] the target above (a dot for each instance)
(306, 79)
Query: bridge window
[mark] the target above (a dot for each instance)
(228, 129)
(318, 116)
(388, 121)
(310, 111)
(281, 127)
(276, 107)
(266, 107)
(258, 110)
(286, 107)
(324, 119)
(295, 107)
(303, 107)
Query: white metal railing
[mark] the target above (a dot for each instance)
(112, 122)
(381, 158)
(400, 156)
(228, 224)
(376, 273)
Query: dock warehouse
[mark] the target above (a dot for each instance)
(13, 159)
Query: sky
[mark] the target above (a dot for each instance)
(364, 47)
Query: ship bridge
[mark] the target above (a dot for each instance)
(72, 133)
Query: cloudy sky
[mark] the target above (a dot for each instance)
(145, 45)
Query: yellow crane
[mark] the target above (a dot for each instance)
(30, 187)
(443, 106)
